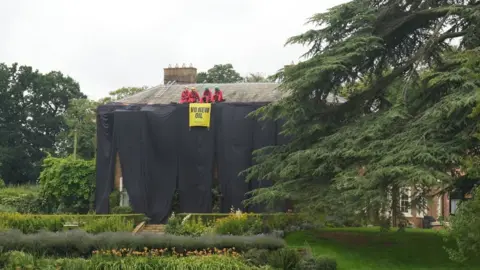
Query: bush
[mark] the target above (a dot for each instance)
(67, 184)
(257, 257)
(27, 223)
(80, 243)
(122, 210)
(239, 224)
(187, 226)
(22, 199)
(285, 258)
(16, 260)
(2, 183)
(465, 230)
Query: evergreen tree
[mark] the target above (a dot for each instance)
(407, 120)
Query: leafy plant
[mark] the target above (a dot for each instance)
(2, 183)
(465, 230)
(238, 223)
(67, 184)
(285, 258)
(109, 224)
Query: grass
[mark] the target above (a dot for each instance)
(368, 248)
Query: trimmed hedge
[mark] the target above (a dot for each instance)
(273, 221)
(16, 260)
(80, 243)
(28, 223)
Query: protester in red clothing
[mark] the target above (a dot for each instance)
(185, 96)
(218, 95)
(207, 96)
(193, 96)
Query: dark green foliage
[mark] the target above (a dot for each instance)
(284, 258)
(256, 256)
(20, 260)
(2, 183)
(80, 243)
(54, 223)
(21, 199)
(465, 230)
(114, 199)
(32, 105)
(67, 184)
(219, 74)
(122, 210)
(406, 122)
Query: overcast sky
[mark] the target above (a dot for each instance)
(107, 44)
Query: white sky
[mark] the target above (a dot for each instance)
(107, 44)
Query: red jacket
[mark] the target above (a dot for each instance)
(193, 97)
(218, 96)
(185, 96)
(207, 96)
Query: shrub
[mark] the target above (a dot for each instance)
(187, 226)
(80, 243)
(67, 184)
(239, 223)
(465, 230)
(2, 183)
(22, 199)
(27, 223)
(284, 258)
(256, 256)
(122, 210)
(109, 224)
(16, 260)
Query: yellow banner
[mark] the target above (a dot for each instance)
(199, 114)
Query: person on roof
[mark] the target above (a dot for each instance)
(193, 97)
(218, 95)
(185, 96)
(207, 96)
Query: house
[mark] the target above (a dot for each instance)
(145, 144)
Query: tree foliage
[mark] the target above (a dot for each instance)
(223, 73)
(32, 105)
(80, 118)
(67, 184)
(257, 78)
(406, 122)
(121, 93)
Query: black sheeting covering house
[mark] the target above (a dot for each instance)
(159, 153)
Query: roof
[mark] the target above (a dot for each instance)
(232, 92)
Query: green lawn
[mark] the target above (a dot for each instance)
(367, 248)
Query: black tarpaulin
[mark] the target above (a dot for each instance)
(162, 157)
(130, 136)
(195, 172)
(264, 134)
(234, 153)
(105, 161)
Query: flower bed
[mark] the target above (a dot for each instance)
(80, 243)
(19, 260)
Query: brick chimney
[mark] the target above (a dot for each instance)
(181, 75)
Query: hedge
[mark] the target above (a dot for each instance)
(30, 223)
(19, 260)
(80, 243)
(271, 220)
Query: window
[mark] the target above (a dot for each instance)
(404, 201)
(453, 205)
